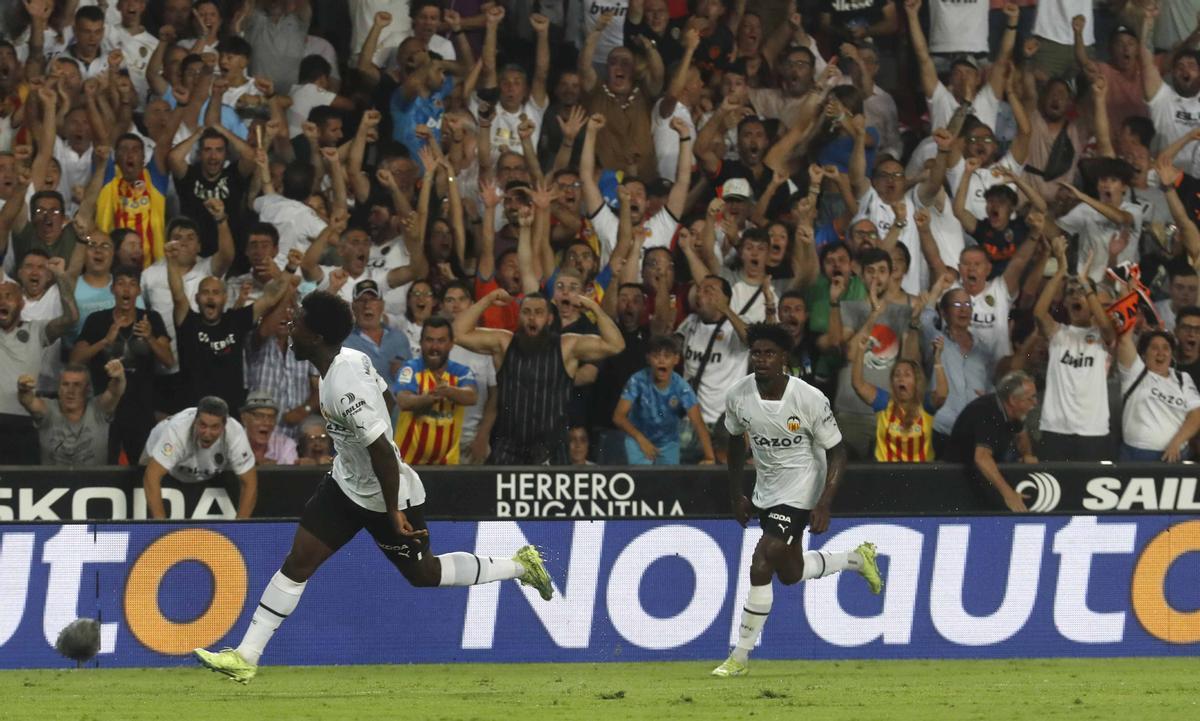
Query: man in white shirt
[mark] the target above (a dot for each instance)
(297, 223)
(660, 228)
(354, 248)
(316, 77)
(369, 487)
(1174, 107)
(714, 350)
(799, 462)
(194, 446)
(520, 99)
(1095, 221)
(134, 42)
(362, 18)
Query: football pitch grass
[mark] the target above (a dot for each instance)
(1158, 689)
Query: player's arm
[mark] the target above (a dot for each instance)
(152, 485)
(249, 493)
(736, 465)
(592, 348)
(836, 459)
(387, 469)
(985, 462)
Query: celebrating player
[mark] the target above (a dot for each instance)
(795, 440)
(369, 487)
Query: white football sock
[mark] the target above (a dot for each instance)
(754, 615)
(818, 564)
(467, 569)
(277, 603)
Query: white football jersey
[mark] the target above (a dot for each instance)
(173, 444)
(355, 415)
(788, 437)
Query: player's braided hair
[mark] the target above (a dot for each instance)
(772, 332)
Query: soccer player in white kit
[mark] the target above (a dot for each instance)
(800, 461)
(369, 487)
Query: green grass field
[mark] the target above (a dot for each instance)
(1127, 689)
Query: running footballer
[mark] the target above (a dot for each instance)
(369, 487)
(799, 460)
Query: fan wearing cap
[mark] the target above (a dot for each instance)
(1126, 96)
(211, 341)
(387, 347)
(260, 413)
(195, 446)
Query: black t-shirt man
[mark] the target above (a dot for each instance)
(983, 423)
(134, 417)
(230, 188)
(210, 356)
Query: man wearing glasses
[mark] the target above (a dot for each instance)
(47, 228)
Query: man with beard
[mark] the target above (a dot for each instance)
(836, 270)
(354, 248)
(74, 431)
(623, 101)
(139, 339)
(194, 446)
(432, 394)
(660, 229)
(211, 340)
(1174, 107)
(785, 103)
(212, 176)
(1060, 134)
(271, 447)
(535, 372)
(22, 345)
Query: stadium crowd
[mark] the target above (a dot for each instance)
(554, 221)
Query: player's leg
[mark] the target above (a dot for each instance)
(771, 547)
(329, 521)
(413, 558)
(794, 565)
